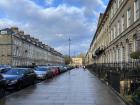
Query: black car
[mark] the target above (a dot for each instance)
(18, 78)
(62, 69)
(4, 67)
(4, 70)
(2, 86)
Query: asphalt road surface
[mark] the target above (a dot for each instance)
(75, 87)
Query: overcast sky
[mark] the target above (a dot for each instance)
(54, 21)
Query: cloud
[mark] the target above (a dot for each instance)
(87, 3)
(6, 23)
(91, 6)
(59, 35)
(49, 2)
(53, 25)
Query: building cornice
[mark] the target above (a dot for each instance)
(102, 21)
(14, 31)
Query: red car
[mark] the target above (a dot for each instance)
(55, 70)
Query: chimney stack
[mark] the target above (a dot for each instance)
(15, 29)
(21, 32)
(27, 36)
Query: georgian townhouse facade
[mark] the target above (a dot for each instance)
(18, 49)
(117, 34)
(89, 58)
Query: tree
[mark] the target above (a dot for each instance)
(67, 60)
(82, 55)
(135, 55)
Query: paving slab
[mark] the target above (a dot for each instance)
(75, 87)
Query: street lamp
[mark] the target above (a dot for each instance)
(69, 41)
(69, 49)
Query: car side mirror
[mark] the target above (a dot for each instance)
(25, 74)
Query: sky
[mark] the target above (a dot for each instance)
(55, 21)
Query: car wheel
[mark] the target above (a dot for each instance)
(19, 87)
(2, 92)
(34, 82)
(46, 76)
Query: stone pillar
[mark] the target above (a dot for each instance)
(129, 51)
(138, 40)
(116, 54)
(111, 56)
(121, 53)
(126, 52)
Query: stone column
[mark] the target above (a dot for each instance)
(121, 53)
(138, 40)
(116, 55)
(111, 56)
(126, 52)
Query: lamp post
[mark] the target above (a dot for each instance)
(69, 49)
(69, 41)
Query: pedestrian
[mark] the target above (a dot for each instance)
(84, 67)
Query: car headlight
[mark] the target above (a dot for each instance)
(40, 75)
(13, 81)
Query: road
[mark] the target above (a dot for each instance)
(77, 87)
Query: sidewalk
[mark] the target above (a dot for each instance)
(77, 87)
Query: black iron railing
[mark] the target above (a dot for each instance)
(113, 73)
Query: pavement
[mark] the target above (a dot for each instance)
(75, 87)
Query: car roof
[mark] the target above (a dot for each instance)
(20, 68)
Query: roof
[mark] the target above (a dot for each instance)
(101, 19)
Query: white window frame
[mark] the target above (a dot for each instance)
(128, 17)
(120, 2)
(118, 28)
(136, 10)
(112, 12)
(122, 23)
(115, 7)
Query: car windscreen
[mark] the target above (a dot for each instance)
(1, 77)
(4, 70)
(15, 72)
(5, 66)
(41, 69)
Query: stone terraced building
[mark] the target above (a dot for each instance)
(18, 49)
(117, 34)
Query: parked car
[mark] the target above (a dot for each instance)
(4, 70)
(2, 67)
(55, 70)
(18, 78)
(2, 86)
(62, 69)
(43, 72)
(70, 67)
